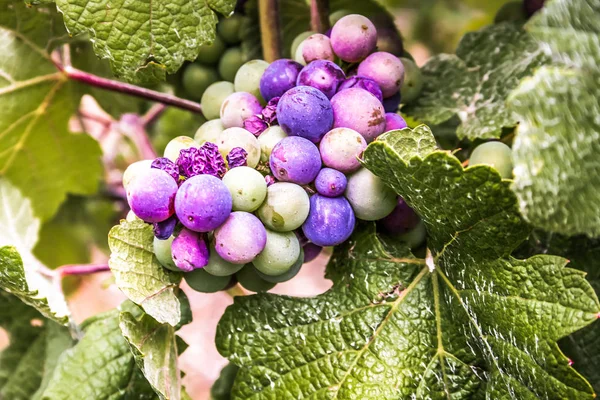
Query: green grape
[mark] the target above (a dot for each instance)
(496, 154)
(162, 251)
(298, 56)
(415, 237)
(413, 81)
(299, 39)
(369, 197)
(249, 279)
(247, 187)
(286, 276)
(218, 267)
(211, 53)
(513, 11)
(230, 62)
(135, 169)
(213, 98)
(286, 207)
(229, 29)
(280, 253)
(247, 78)
(196, 78)
(221, 389)
(268, 139)
(176, 145)
(209, 131)
(202, 281)
(239, 137)
(337, 15)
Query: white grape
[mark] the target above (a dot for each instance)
(286, 207)
(234, 137)
(247, 187)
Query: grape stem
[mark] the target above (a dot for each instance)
(268, 11)
(319, 15)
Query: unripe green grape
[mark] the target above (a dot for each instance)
(415, 237)
(413, 81)
(280, 253)
(249, 279)
(213, 98)
(299, 39)
(209, 131)
(247, 187)
(239, 137)
(229, 29)
(202, 281)
(135, 169)
(369, 197)
(176, 145)
(286, 276)
(162, 251)
(337, 15)
(496, 154)
(230, 62)
(217, 266)
(211, 53)
(268, 139)
(131, 217)
(298, 55)
(247, 78)
(196, 78)
(285, 208)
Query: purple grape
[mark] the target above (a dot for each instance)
(151, 195)
(279, 77)
(401, 220)
(306, 112)
(311, 251)
(164, 229)
(341, 148)
(359, 110)
(392, 103)
(204, 160)
(237, 157)
(330, 220)
(269, 113)
(533, 6)
(323, 75)
(330, 182)
(363, 83)
(384, 68)
(237, 107)
(203, 203)
(255, 125)
(166, 165)
(241, 238)
(317, 47)
(189, 250)
(295, 159)
(270, 180)
(353, 37)
(394, 121)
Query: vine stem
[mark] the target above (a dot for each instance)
(319, 15)
(268, 11)
(81, 269)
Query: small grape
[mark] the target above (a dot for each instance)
(363, 83)
(278, 78)
(240, 238)
(370, 198)
(196, 78)
(239, 137)
(134, 169)
(353, 37)
(306, 112)
(330, 182)
(286, 207)
(413, 81)
(189, 250)
(164, 229)
(496, 154)
(250, 280)
(286, 276)
(357, 109)
(295, 159)
(299, 55)
(237, 107)
(317, 47)
(213, 98)
(268, 139)
(335, 16)
(280, 253)
(330, 221)
(203, 282)
(247, 187)
(384, 68)
(162, 251)
(323, 75)
(415, 237)
(211, 53)
(230, 62)
(230, 29)
(217, 266)
(341, 148)
(176, 145)
(394, 121)
(203, 203)
(299, 39)
(247, 78)
(401, 220)
(391, 104)
(209, 131)
(151, 195)
(311, 251)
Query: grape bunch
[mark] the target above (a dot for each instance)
(275, 174)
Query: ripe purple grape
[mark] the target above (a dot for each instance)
(401, 220)
(237, 107)
(323, 75)
(306, 112)
(363, 83)
(341, 148)
(317, 47)
(151, 195)
(311, 251)
(353, 37)
(330, 182)
(330, 221)
(394, 121)
(203, 203)
(295, 159)
(357, 109)
(241, 238)
(392, 103)
(278, 78)
(164, 229)
(384, 68)
(189, 250)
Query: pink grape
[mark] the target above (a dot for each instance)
(323, 75)
(330, 220)
(394, 121)
(384, 68)
(241, 238)
(203, 203)
(151, 195)
(237, 107)
(353, 37)
(279, 77)
(341, 148)
(317, 47)
(295, 159)
(358, 109)
(305, 111)
(189, 250)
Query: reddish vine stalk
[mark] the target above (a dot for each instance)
(319, 15)
(270, 32)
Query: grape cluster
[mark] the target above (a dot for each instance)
(275, 176)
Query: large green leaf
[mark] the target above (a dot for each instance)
(139, 274)
(474, 83)
(468, 322)
(144, 40)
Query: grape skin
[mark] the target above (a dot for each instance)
(247, 187)
(298, 40)
(285, 208)
(281, 251)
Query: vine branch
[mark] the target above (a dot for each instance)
(268, 11)
(319, 15)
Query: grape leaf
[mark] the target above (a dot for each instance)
(139, 274)
(19, 268)
(474, 83)
(37, 152)
(145, 40)
(468, 322)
